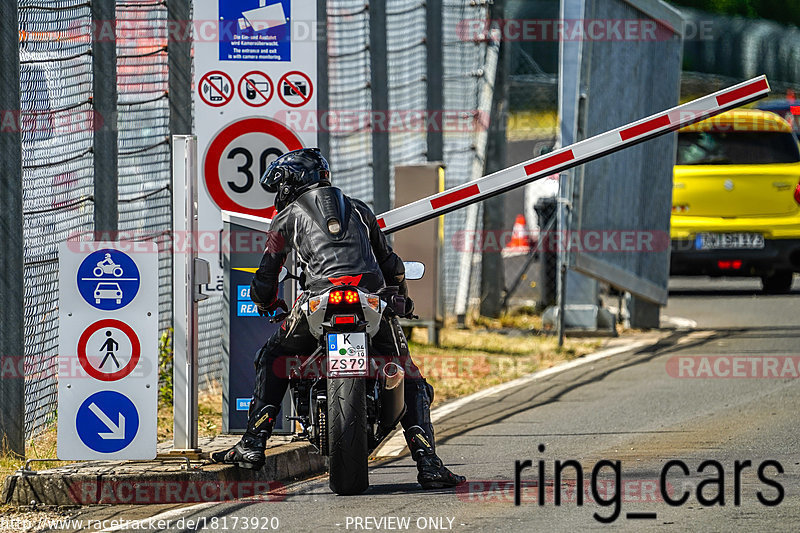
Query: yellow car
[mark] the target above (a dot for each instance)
(736, 199)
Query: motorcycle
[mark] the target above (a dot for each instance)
(346, 399)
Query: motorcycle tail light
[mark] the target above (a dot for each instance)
(797, 193)
(351, 297)
(343, 297)
(313, 303)
(374, 302)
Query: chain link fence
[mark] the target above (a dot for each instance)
(463, 70)
(350, 91)
(56, 125)
(58, 120)
(145, 201)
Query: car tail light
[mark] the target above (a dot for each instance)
(339, 297)
(735, 264)
(344, 319)
(797, 193)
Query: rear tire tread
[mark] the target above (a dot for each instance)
(347, 437)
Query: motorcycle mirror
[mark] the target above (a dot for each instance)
(414, 269)
(283, 274)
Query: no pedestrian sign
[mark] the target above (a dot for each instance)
(108, 350)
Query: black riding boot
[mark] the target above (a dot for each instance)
(432, 474)
(249, 451)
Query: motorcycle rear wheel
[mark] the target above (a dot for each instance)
(347, 435)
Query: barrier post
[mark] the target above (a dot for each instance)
(188, 274)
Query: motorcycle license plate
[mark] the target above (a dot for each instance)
(347, 354)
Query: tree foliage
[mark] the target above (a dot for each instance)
(783, 11)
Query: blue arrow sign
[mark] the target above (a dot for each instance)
(108, 279)
(107, 421)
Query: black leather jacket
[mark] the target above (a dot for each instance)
(358, 252)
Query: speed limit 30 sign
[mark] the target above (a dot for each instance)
(238, 156)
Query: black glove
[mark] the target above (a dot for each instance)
(271, 309)
(409, 310)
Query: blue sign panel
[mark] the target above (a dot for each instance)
(107, 421)
(246, 309)
(244, 305)
(243, 292)
(247, 335)
(108, 279)
(242, 404)
(255, 30)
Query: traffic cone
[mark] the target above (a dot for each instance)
(520, 243)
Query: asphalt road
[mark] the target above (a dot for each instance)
(635, 408)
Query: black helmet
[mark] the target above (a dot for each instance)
(294, 173)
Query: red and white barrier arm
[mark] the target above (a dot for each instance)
(573, 155)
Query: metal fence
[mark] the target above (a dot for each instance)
(350, 90)
(464, 62)
(56, 123)
(145, 205)
(59, 120)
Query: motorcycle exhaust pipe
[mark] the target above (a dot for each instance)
(393, 405)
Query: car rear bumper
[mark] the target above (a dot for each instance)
(777, 254)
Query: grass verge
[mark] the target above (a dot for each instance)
(471, 360)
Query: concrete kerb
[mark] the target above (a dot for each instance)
(164, 481)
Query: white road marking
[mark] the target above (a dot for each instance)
(144, 523)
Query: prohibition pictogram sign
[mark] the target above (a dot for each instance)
(256, 88)
(295, 89)
(110, 348)
(215, 88)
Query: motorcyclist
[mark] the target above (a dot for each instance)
(337, 240)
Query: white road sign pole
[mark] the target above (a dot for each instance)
(188, 274)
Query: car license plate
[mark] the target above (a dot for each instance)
(729, 241)
(347, 354)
